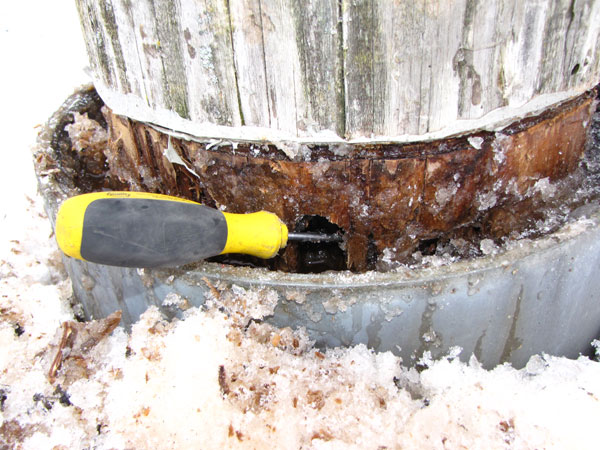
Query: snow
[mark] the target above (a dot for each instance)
(220, 378)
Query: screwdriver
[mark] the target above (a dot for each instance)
(137, 229)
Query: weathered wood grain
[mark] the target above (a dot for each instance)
(282, 65)
(137, 22)
(359, 29)
(358, 68)
(319, 44)
(286, 57)
(210, 71)
(414, 45)
(249, 60)
(96, 44)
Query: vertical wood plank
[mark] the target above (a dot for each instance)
(109, 25)
(414, 52)
(395, 77)
(359, 27)
(400, 78)
(140, 21)
(521, 51)
(249, 59)
(486, 30)
(205, 39)
(167, 14)
(583, 46)
(91, 24)
(473, 47)
(443, 40)
(552, 64)
(125, 28)
(319, 43)
(283, 80)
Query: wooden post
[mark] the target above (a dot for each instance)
(400, 122)
(310, 70)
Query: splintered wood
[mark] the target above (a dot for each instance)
(386, 198)
(72, 346)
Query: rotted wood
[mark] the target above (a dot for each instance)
(388, 199)
(357, 68)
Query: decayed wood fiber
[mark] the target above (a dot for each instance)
(383, 197)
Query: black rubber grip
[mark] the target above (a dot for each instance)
(135, 232)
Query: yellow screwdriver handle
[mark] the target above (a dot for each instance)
(135, 229)
(259, 234)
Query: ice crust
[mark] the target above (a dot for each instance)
(85, 133)
(220, 378)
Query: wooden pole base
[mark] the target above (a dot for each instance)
(390, 200)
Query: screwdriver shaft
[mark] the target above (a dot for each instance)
(314, 237)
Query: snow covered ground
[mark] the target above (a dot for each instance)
(211, 381)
